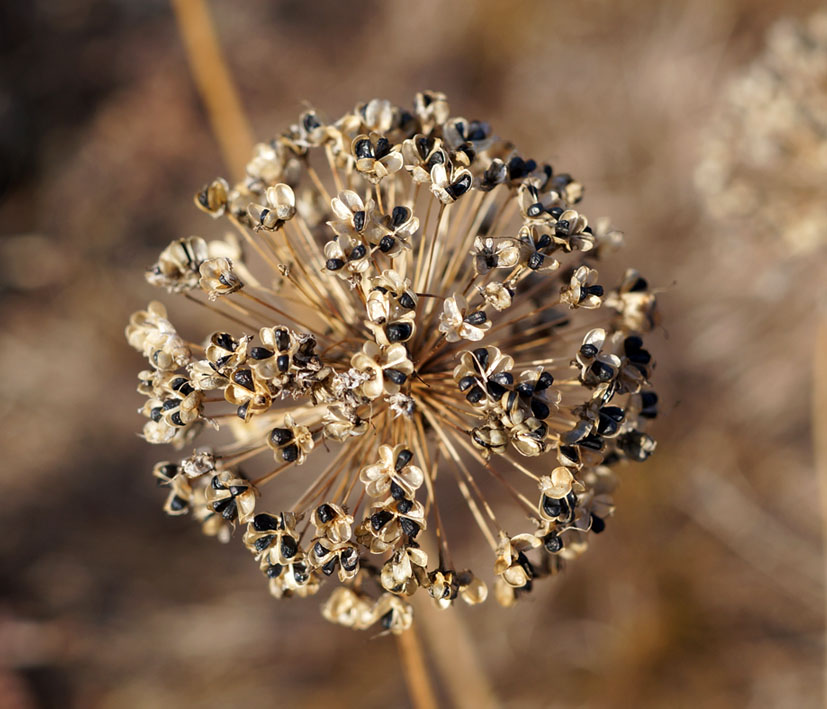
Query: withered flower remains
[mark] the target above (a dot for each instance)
(402, 293)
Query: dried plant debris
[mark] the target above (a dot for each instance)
(764, 157)
(411, 294)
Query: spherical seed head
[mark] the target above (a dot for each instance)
(410, 290)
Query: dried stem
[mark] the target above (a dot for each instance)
(209, 71)
(416, 672)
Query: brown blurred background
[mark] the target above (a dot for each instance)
(707, 590)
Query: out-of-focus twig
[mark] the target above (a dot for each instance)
(456, 658)
(718, 505)
(819, 424)
(209, 70)
(416, 673)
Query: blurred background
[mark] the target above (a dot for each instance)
(708, 588)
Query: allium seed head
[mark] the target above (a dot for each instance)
(405, 292)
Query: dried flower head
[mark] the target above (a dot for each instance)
(411, 293)
(764, 158)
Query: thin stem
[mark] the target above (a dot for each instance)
(212, 78)
(415, 671)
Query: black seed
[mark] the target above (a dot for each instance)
(475, 395)
(406, 301)
(535, 260)
(283, 362)
(466, 382)
(395, 375)
(525, 389)
(409, 527)
(217, 484)
(176, 504)
(281, 436)
(170, 404)
(236, 490)
(477, 130)
(543, 242)
(325, 513)
(226, 508)
(242, 410)
(289, 547)
(405, 456)
(244, 378)
(177, 383)
(290, 453)
(503, 378)
(176, 419)
(556, 212)
(460, 187)
(639, 285)
(562, 227)
(399, 332)
(553, 506)
(202, 197)
(274, 571)
(534, 210)
(380, 519)
(260, 353)
(602, 371)
(221, 361)
(591, 290)
(399, 216)
(540, 409)
(649, 404)
(170, 470)
(310, 122)
(636, 445)
(334, 264)
(511, 401)
(588, 351)
(319, 550)
(386, 621)
(359, 220)
(300, 573)
(544, 381)
(349, 559)
(383, 147)
(423, 147)
(570, 453)
(263, 215)
(494, 389)
(607, 427)
(438, 158)
(386, 244)
(329, 567)
(358, 252)
(263, 542)
(481, 355)
(592, 442)
(156, 414)
(264, 522)
(397, 493)
(363, 149)
(523, 561)
(553, 543)
(615, 413)
(404, 506)
(477, 318)
(282, 339)
(598, 525)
